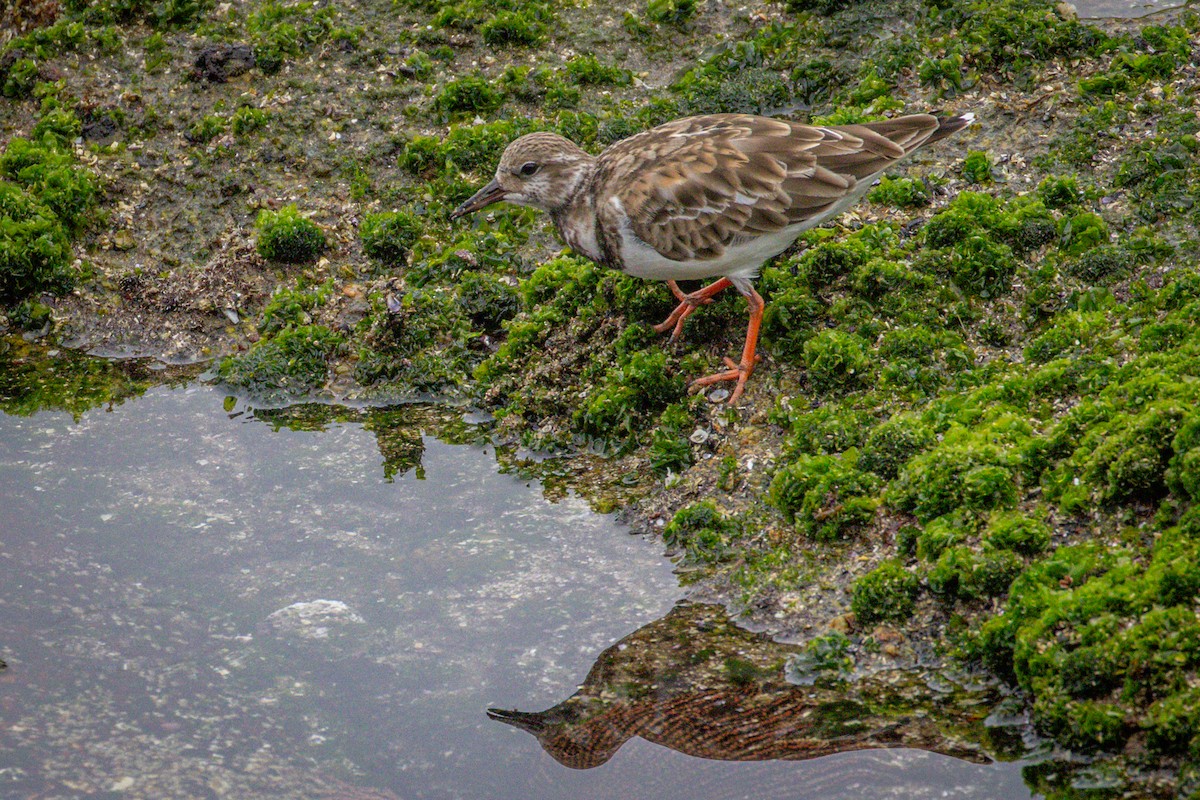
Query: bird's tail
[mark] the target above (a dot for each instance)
(949, 125)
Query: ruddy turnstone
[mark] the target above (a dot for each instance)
(704, 197)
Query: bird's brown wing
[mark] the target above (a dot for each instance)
(692, 187)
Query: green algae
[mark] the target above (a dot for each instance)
(473, 94)
(886, 594)
(45, 202)
(280, 31)
(892, 444)
(977, 167)
(417, 340)
(837, 362)
(1059, 612)
(1018, 532)
(702, 533)
(292, 364)
(389, 236)
(827, 497)
(588, 70)
(286, 236)
(900, 192)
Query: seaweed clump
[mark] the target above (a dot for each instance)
(45, 199)
(288, 237)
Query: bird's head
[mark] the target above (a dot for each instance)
(542, 170)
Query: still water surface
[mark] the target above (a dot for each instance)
(1123, 9)
(196, 604)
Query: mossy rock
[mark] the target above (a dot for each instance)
(943, 533)
(291, 364)
(702, 532)
(287, 237)
(1018, 532)
(389, 236)
(828, 430)
(472, 94)
(891, 445)
(888, 593)
(837, 362)
(960, 572)
(827, 497)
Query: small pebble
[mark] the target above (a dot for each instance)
(699, 436)
(718, 395)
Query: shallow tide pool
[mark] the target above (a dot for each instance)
(1123, 9)
(195, 603)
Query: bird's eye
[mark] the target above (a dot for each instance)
(528, 168)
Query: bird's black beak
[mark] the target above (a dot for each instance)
(529, 722)
(492, 193)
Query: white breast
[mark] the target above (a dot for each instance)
(743, 261)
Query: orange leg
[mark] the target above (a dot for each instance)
(687, 304)
(741, 371)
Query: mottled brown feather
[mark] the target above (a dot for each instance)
(692, 187)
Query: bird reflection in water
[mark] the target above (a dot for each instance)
(696, 683)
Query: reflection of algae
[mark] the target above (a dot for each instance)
(34, 378)
(399, 433)
(399, 430)
(696, 683)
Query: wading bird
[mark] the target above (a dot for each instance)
(704, 197)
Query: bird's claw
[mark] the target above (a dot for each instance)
(736, 372)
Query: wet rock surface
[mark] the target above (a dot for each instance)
(219, 63)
